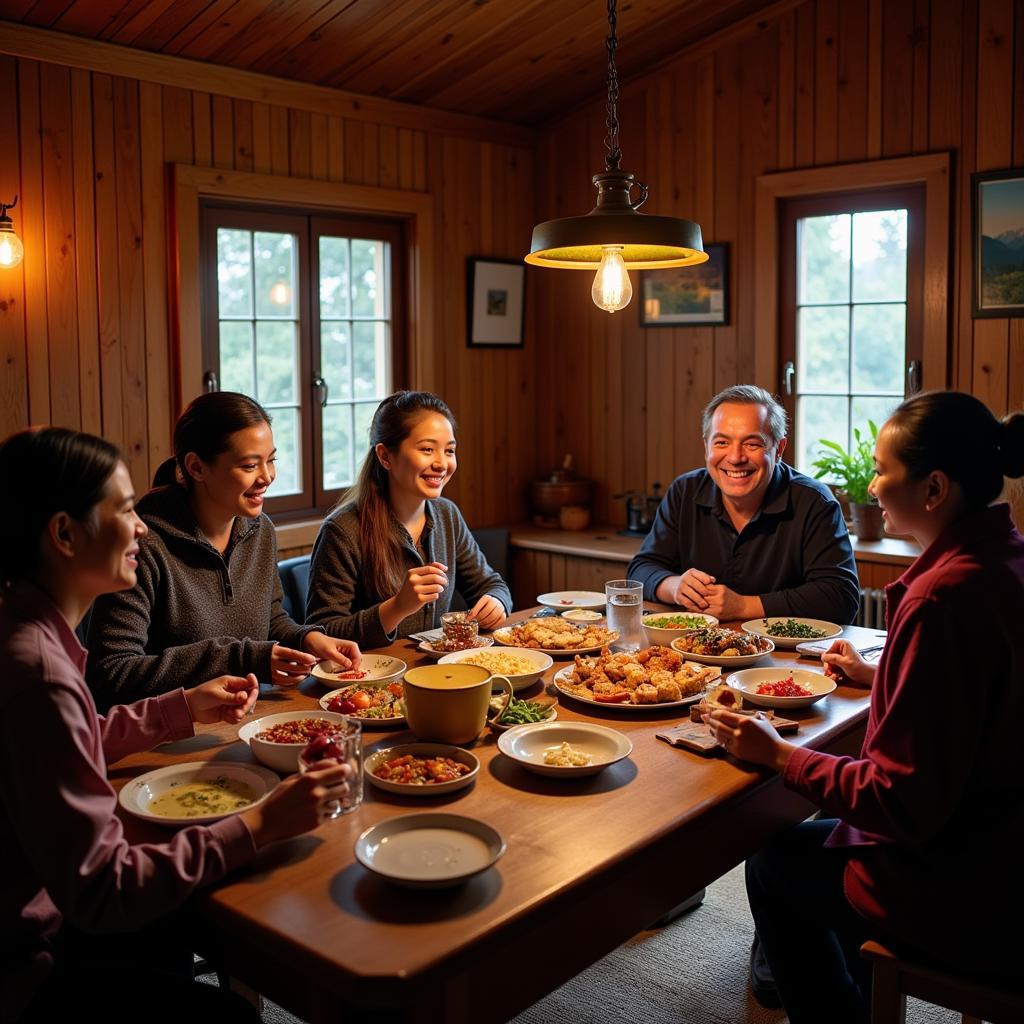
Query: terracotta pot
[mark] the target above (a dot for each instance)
(867, 521)
(574, 517)
(549, 497)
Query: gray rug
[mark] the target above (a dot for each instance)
(692, 972)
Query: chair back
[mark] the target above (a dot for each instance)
(294, 573)
(493, 542)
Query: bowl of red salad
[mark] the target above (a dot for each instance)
(781, 688)
(277, 740)
(421, 769)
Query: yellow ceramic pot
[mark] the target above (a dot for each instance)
(448, 703)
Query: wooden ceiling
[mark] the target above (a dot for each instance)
(516, 60)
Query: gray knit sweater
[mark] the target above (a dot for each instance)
(343, 602)
(194, 613)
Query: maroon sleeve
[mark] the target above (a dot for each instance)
(131, 728)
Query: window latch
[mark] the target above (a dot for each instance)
(914, 377)
(319, 384)
(210, 382)
(788, 373)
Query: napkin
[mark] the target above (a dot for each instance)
(427, 634)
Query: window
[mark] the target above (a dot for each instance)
(300, 313)
(851, 319)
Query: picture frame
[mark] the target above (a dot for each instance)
(694, 296)
(997, 232)
(495, 302)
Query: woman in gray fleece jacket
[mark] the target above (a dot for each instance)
(387, 562)
(208, 597)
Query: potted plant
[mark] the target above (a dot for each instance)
(851, 471)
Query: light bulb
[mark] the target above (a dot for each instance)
(11, 249)
(612, 289)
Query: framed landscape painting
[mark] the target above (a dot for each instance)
(495, 300)
(998, 223)
(696, 296)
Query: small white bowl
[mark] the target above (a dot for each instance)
(747, 682)
(375, 760)
(665, 635)
(380, 670)
(528, 744)
(541, 663)
(282, 757)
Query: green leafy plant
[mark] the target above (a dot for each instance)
(851, 471)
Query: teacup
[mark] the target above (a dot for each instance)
(449, 703)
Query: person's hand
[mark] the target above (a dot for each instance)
(423, 584)
(844, 664)
(289, 667)
(688, 590)
(489, 612)
(326, 648)
(224, 699)
(297, 805)
(749, 738)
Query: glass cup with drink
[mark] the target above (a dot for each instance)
(625, 613)
(342, 744)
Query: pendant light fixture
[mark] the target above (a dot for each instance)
(11, 250)
(614, 237)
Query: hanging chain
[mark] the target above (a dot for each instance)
(611, 139)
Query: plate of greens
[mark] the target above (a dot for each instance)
(520, 712)
(786, 632)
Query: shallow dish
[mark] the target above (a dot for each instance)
(375, 760)
(138, 794)
(748, 681)
(528, 744)
(582, 615)
(507, 640)
(759, 627)
(724, 661)
(561, 680)
(396, 721)
(572, 599)
(498, 727)
(282, 757)
(379, 668)
(427, 647)
(666, 634)
(540, 661)
(429, 851)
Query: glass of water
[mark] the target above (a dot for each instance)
(625, 613)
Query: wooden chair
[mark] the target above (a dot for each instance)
(895, 976)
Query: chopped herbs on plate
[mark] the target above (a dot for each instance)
(677, 622)
(792, 628)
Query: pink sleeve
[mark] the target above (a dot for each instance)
(131, 728)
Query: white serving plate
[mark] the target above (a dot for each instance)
(541, 663)
(378, 757)
(563, 599)
(735, 661)
(396, 722)
(758, 627)
(137, 795)
(380, 669)
(527, 744)
(429, 851)
(749, 680)
(561, 681)
(282, 757)
(503, 637)
(584, 615)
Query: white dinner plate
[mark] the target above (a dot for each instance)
(395, 722)
(373, 761)
(759, 627)
(138, 794)
(429, 851)
(561, 681)
(750, 679)
(506, 639)
(426, 646)
(722, 661)
(528, 745)
(563, 599)
(379, 669)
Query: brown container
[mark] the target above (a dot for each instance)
(549, 497)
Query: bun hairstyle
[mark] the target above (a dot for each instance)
(391, 425)
(57, 470)
(957, 434)
(205, 427)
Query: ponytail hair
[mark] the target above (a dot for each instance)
(391, 425)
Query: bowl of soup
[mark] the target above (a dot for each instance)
(449, 703)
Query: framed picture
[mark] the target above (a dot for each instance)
(495, 300)
(695, 296)
(998, 232)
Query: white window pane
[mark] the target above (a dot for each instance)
(277, 361)
(336, 359)
(879, 347)
(369, 280)
(880, 256)
(864, 408)
(236, 363)
(363, 417)
(275, 274)
(817, 419)
(338, 462)
(370, 359)
(289, 453)
(823, 349)
(234, 272)
(334, 278)
(823, 259)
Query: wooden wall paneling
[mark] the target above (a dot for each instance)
(261, 151)
(177, 124)
(153, 177)
(541, 286)
(991, 363)
(963, 335)
(419, 153)
(279, 144)
(177, 24)
(806, 53)
(787, 91)
(371, 156)
(33, 237)
(826, 74)
(13, 380)
(1015, 377)
(898, 85)
(945, 91)
(995, 84)
(919, 40)
(389, 156)
(336, 149)
(1018, 89)
(852, 81)
(244, 144)
(202, 129)
(134, 18)
(354, 144)
(223, 127)
(727, 187)
(874, 98)
(130, 272)
(405, 168)
(318, 161)
(59, 214)
(300, 157)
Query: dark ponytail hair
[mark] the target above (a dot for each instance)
(57, 470)
(957, 434)
(392, 423)
(205, 428)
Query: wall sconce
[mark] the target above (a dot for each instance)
(11, 250)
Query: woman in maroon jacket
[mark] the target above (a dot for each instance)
(934, 804)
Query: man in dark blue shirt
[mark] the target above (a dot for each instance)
(749, 536)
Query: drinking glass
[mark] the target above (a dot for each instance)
(341, 745)
(625, 613)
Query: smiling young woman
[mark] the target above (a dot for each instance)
(209, 596)
(388, 560)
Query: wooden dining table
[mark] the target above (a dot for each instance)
(590, 862)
